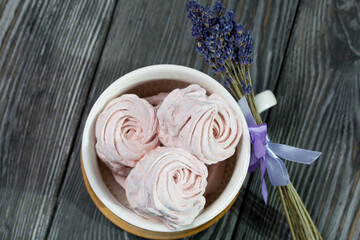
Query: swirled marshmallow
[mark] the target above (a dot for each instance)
(167, 184)
(125, 131)
(205, 126)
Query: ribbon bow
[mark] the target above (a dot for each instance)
(267, 153)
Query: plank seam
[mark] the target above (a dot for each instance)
(67, 161)
(247, 189)
(286, 48)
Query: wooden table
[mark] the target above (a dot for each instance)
(56, 57)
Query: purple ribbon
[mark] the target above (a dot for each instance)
(267, 153)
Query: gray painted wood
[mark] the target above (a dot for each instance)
(53, 67)
(150, 32)
(318, 108)
(48, 53)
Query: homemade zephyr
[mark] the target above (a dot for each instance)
(159, 150)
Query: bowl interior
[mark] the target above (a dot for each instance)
(101, 179)
(147, 89)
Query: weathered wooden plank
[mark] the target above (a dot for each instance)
(48, 53)
(151, 32)
(318, 108)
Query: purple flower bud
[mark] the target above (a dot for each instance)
(218, 8)
(218, 35)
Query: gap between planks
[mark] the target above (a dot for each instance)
(53, 214)
(247, 189)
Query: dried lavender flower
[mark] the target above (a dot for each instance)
(222, 42)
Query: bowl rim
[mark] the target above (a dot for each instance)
(133, 79)
(143, 232)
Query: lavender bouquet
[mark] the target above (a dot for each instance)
(227, 47)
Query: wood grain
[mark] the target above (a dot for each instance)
(48, 53)
(150, 32)
(318, 108)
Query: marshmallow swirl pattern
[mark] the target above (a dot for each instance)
(125, 131)
(205, 126)
(167, 184)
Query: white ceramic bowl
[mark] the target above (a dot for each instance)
(159, 76)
